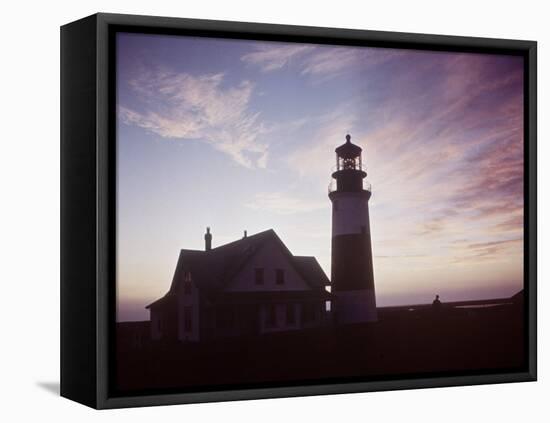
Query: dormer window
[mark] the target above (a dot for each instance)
(280, 276)
(259, 276)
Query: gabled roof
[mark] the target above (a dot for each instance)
(310, 269)
(213, 269)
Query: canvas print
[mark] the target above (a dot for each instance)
(292, 214)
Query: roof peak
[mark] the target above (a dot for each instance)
(248, 238)
(244, 239)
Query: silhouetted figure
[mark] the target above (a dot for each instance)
(436, 303)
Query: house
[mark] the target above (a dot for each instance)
(247, 287)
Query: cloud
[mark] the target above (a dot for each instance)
(488, 251)
(318, 62)
(328, 62)
(404, 256)
(494, 244)
(443, 147)
(271, 57)
(182, 106)
(330, 131)
(284, 204)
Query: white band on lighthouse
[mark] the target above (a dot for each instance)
(350, 213)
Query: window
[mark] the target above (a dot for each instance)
(290, 314)
(271, 321)
(259, 276)
(187, 319)
(280, 276)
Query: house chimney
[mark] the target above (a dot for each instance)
(245, 234)
(207, 239)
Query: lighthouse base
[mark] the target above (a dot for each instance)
(357, 306)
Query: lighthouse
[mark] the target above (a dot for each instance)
(352, 277)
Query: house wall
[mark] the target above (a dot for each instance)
(269, 257)
(163, 321)
(188, 301)
(155, 329)
(281, 321)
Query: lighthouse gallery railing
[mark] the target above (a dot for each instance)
(367, 186)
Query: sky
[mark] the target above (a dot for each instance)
(240, 135)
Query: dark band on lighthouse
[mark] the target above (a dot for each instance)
(352, 267)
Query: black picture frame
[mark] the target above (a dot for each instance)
(88, 201)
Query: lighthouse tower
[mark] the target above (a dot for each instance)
(352, 276)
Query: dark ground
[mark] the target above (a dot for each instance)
(401, 343)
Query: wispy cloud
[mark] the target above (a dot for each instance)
(314, 159)
(270, 57)
(318, 62)
(487, 251)
(443, 149)
(284, 203)
(329, 62)
(182, 106)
